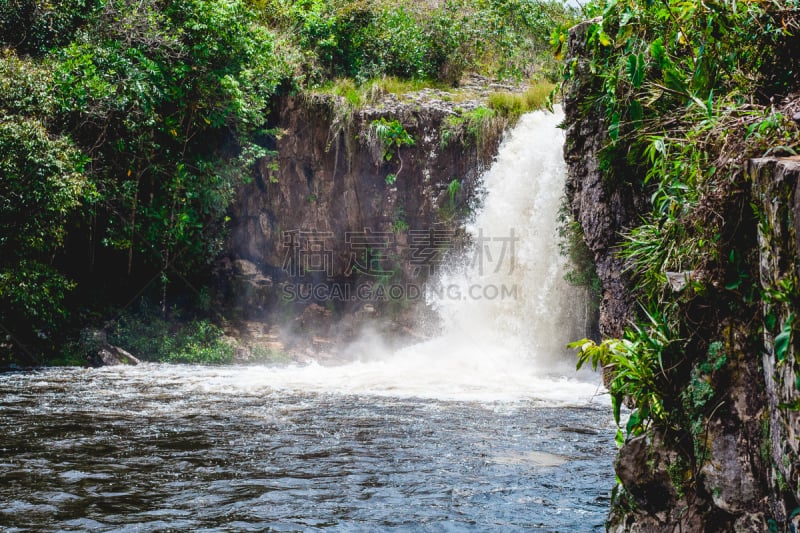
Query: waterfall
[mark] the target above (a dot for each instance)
(507, 312)
(524, 189)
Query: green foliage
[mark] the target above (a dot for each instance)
(636, 366)
(42, 187)
(688, 91)
(150, 337)
(478, 124)
(512, 105)
(392, 136)
(700, 390)
(33, 27)
(369, 92)
(453, 188)
(581, 270)
(399, 224)
(137, 121)
(24, 86)
(783, 339)
(368, 39)
(679, 472)
(159, 97)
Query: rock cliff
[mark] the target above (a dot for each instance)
(729, 461)
(338, 228)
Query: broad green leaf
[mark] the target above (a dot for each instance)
(782, 339)
(636, 68)
(613, 128)
(659, 52)
(634, 421)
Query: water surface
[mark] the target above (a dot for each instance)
(182, 448)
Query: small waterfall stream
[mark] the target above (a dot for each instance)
(485, 428)
(524, 189)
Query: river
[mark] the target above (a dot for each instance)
(182, 448)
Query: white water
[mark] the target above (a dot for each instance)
(490, 349)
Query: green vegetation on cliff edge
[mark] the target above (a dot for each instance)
(688, 92)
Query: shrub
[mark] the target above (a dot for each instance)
(152, 338)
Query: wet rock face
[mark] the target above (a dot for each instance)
(776, 195)
(330, 177)
(336, 207)
(603, 210)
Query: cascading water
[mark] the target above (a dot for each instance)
(423, 439)
(506, 309)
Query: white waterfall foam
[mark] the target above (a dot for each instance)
(524, 190)
(507, 316)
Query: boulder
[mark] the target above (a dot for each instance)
(109, 355)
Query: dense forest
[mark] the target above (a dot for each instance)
(126, 127)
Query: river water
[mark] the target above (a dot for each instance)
(168, 448)
(484, 428)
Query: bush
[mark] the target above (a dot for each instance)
(364, 40)
(41, 187)
(150, 337)
(33, 27)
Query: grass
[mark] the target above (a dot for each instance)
(512, 105)
(370, 92)
(504, 104)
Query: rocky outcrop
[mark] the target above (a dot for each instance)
(730, 463)
(109, 355)
(776, 194)
(336, 210)
(601, 209)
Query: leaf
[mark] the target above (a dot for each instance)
(635, 111)
(782, 339)
(701, 104)
(575, 345)
(634, 421)
(675, 81)
(770, 320)
(616, 404)
(659, 52)
(636, 68)
(605, 40)
(613, 128)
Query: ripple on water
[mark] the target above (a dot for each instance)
(136, 450)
